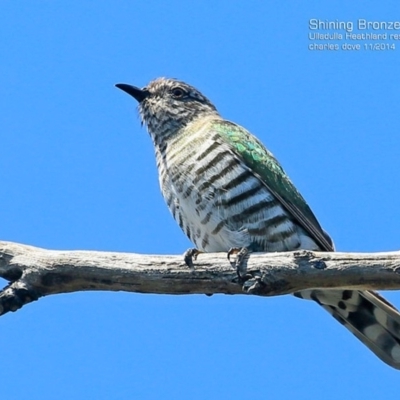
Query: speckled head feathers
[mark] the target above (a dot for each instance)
(166, 105)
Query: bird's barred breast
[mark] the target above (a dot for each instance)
(218, 202)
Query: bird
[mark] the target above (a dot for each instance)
(228, 193)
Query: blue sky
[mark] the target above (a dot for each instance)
(78, 172)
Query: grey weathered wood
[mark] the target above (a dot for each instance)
(34, 272)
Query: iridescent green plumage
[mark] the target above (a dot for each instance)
(263, 164)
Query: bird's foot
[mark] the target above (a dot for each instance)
(240, 261)
(190, 255)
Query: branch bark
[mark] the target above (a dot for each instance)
(33, 272)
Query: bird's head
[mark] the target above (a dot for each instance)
(166, 105)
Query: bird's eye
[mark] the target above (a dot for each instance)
(178, 93)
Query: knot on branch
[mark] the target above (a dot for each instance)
(309, 259)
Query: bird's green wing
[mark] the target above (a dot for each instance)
(265, 166)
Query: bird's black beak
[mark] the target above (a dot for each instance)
(138, 94)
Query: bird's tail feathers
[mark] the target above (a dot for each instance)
(370, 317)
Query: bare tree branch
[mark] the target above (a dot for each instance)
(33, 272)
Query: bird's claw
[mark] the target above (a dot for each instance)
(190, 255)
(239, 263)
